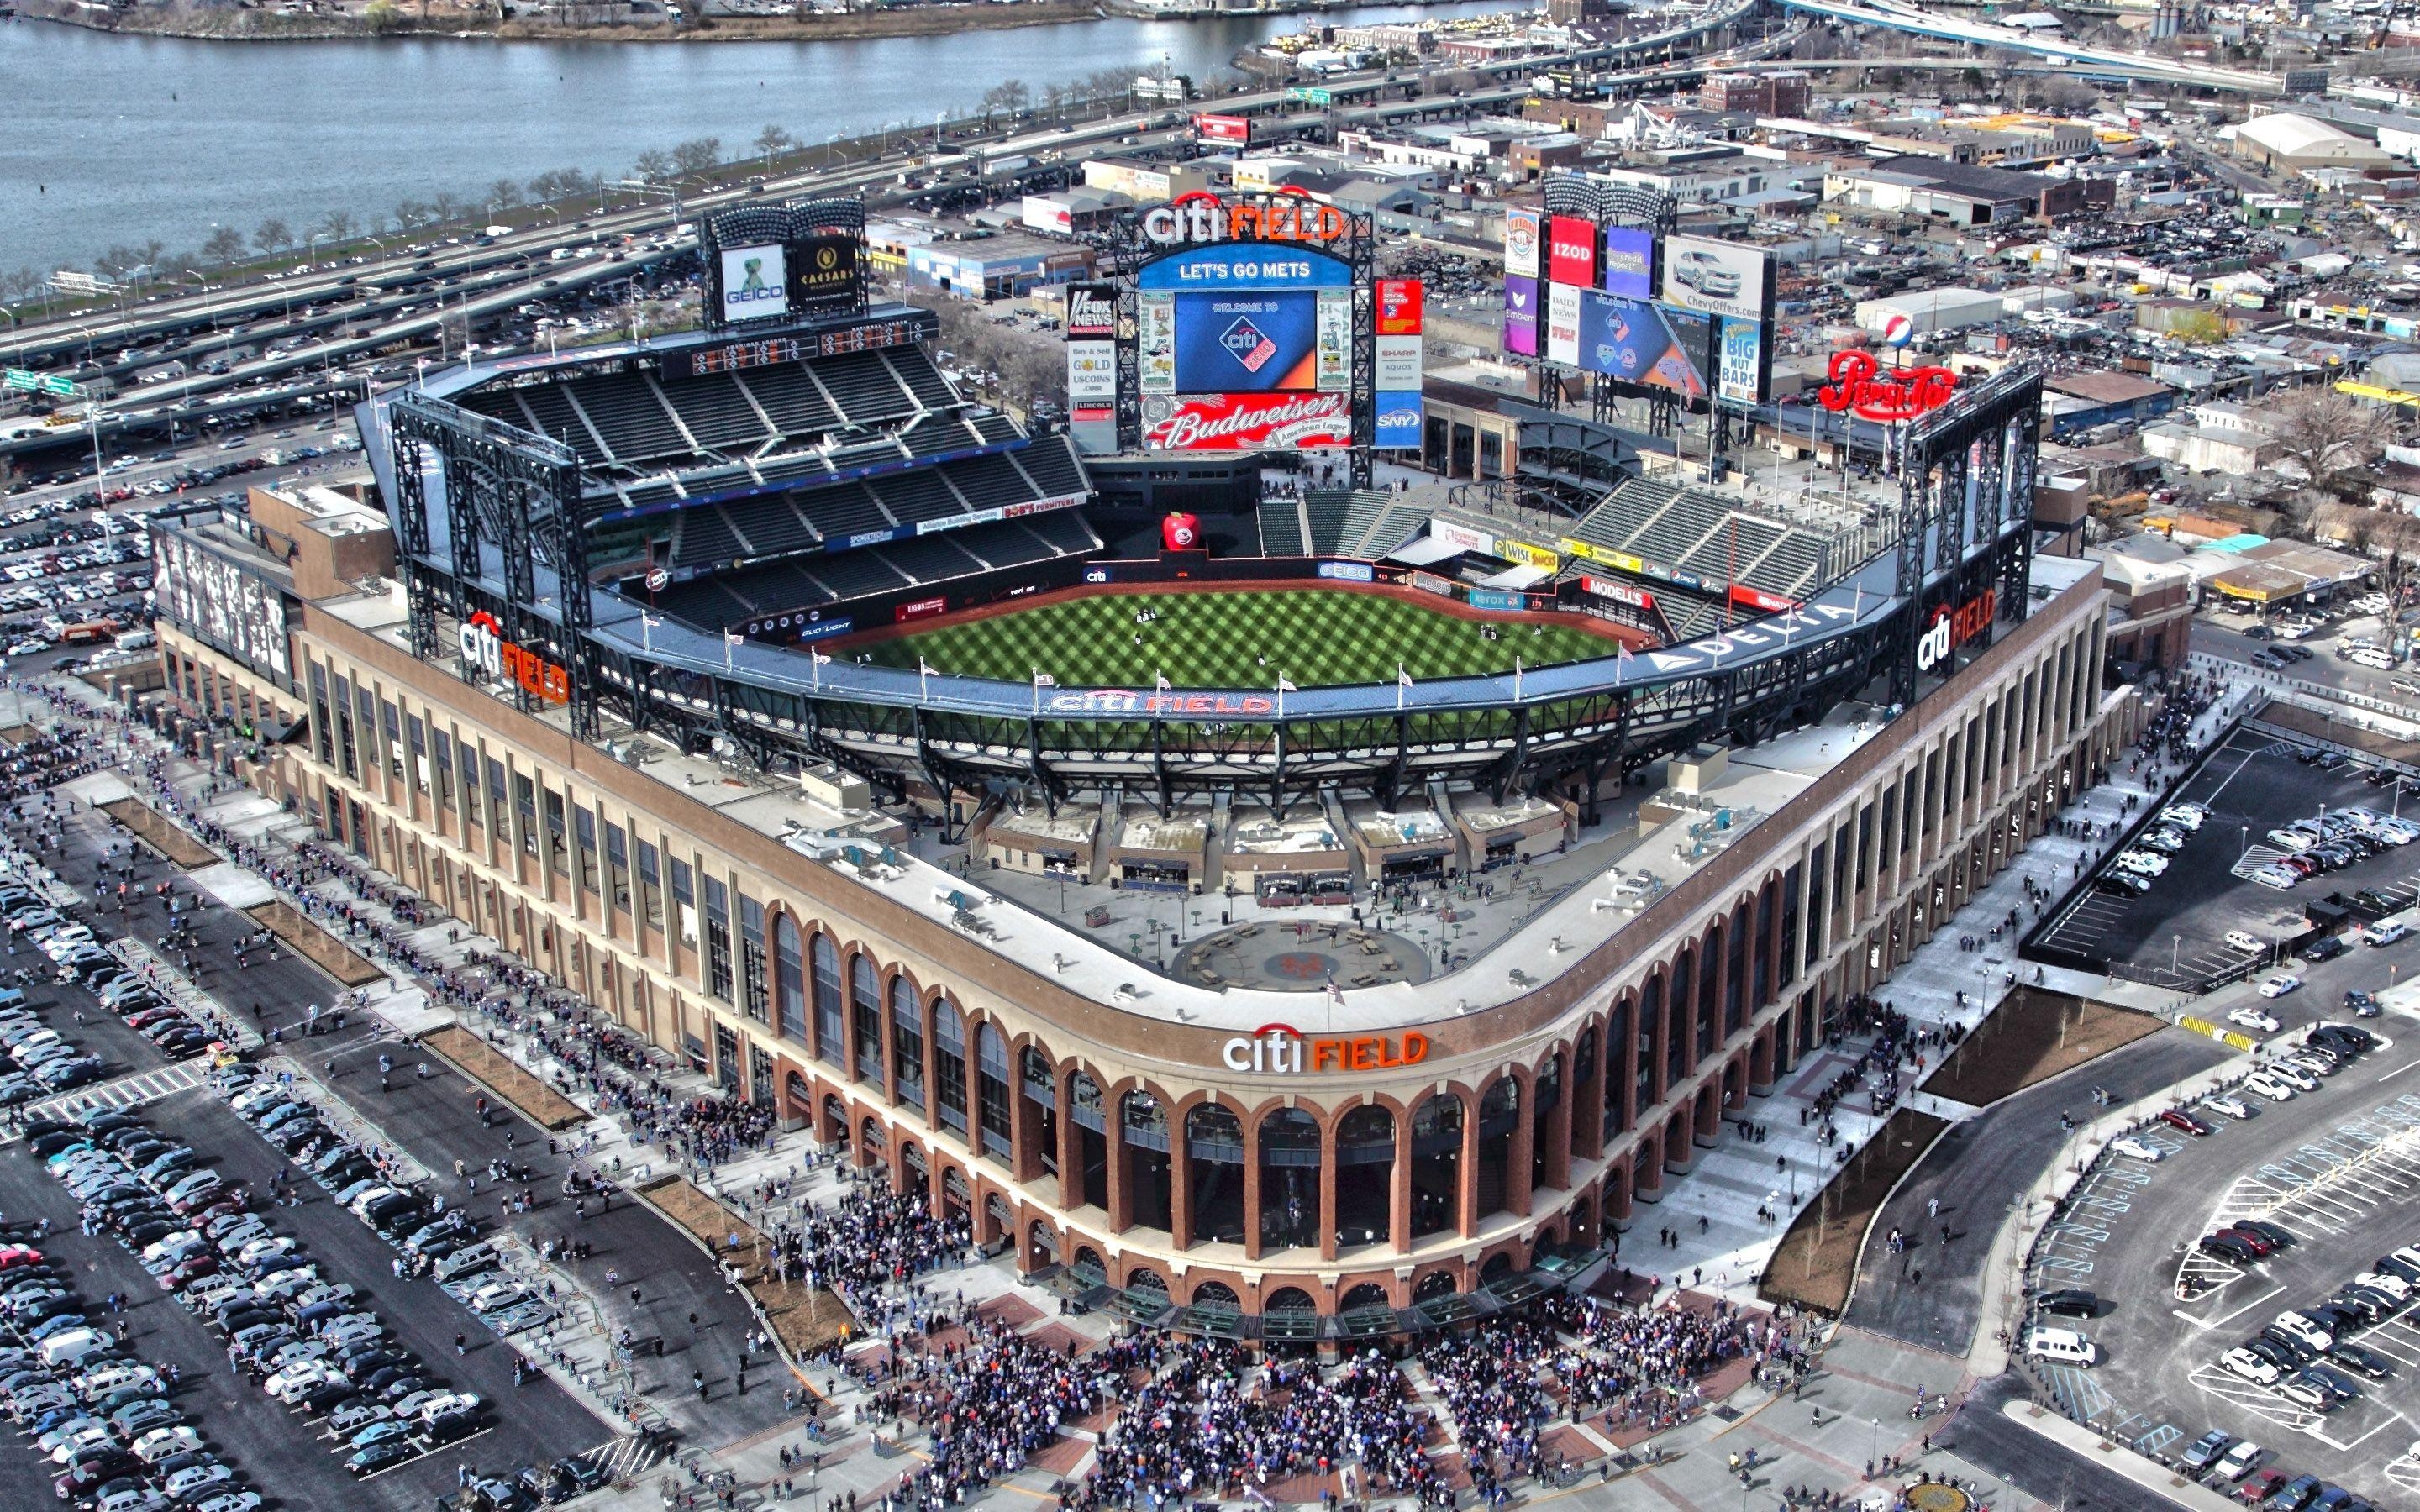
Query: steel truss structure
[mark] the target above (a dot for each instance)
(486, 519)
(1123, 251)
(507, 500)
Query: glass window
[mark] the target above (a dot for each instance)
(496, 798)
(323, 728)
(558, 845)
(525, 812)
(346, 762)
(584, 828)
(789, 979)
(441, 767)
(827, 1029)
(617, 866)
(908, 1042)
(755, 998)
(418, 735)
(391, 730)
(866, 1019)
(651, 886)
(950, 1064)
(991, 1069)
(684, 902)
(718, 937)
(365, 727)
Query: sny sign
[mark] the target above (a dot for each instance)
(1860, 385)
(1953, 627)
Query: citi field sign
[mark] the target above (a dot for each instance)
(1192, 219)
(1280, 1050)
(1953, 627)
(483, 646)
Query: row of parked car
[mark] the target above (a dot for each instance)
(46, 1063)
(333, 1360)
(102, 1419)
(2330, 841)
(2144, 862)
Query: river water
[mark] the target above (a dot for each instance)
(118, 140)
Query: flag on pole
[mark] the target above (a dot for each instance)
(1160, 681)
(1285, 685)
(1622, 656)
(924, 671)
(1517, 679)
(647, 623)
(1041, 681)
(1858, 612)
(1403, 683)
(730, 639)
(815, 660)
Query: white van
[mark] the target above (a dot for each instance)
(2371, 656)
(75, 1347)
(2063, 1345)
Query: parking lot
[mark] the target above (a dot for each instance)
(2339, 1170)
(2250, 785)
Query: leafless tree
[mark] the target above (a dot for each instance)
(2325, 433)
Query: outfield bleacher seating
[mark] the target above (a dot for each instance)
(1281, 532)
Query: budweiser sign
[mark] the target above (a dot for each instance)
(1864, 388)
(1243, 422)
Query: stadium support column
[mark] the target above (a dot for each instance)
(2020, 445)
(412, 512)
(1276, 771)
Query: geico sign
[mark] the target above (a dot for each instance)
(1274, 1049)
(1953, 627)
(1193, 218)
(484, 647)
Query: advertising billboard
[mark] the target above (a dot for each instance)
(1092, 310)
(213, 598)
(1155, 335)
(823, 269)
(1738, 362)
(1629, 263)
(1244, 265)
(1570, 251)
(1400, 306)
(756, 283)
(1246, 343)
(1226, 422)
(1234, 128)
(1399, 364)
(1092, 373)
(1715, 277)
(1520, 316)
(1633, 341)
(1399, 420)
(1462, 537)
(1563, 341)
(1522, 232)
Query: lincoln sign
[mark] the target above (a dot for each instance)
(1863, 387)
(484, 648)
(1275, 1049)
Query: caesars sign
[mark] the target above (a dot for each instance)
(1276, 1049)
(484, 647)
(1953, 627)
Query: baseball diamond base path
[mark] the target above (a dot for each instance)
(2033, 1036)
(804, 1318)
(314, 944)
(179, 847)
(472, 1056)
(1815, 1262)
(1234, 635)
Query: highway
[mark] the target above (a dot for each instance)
(1897, 15)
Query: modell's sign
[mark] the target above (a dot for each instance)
(1275, 1049)
(1862, 386)
(1202, 217)
(484, 647)
(1953, 627)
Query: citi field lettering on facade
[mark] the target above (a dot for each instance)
(483, 646)
(1275, 1050)
(1953, 627)
(1204, 217)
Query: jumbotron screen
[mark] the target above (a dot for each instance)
(1259, 343)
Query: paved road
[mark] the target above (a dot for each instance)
(1978, 1171)
(2047, 1472)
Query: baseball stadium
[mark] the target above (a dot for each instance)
(1325, 912)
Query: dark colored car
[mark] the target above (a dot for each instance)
(2228, 1247)
(2179, 1120)
(2275, 1234)
(379, 1457)
(2074, 1302)
(2294, 1495)
(2368, 1361)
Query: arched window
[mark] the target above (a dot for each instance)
(865, 1018)
(1216, 1294)
(991, 1078)
(950, 1064)
(831, 1043)
(1290, 1300)
(789, 979)
(908, 1042)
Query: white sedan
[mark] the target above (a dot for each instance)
(2252, 1018)
(2129, 1145)
(2228, 1105)
(2280, 986)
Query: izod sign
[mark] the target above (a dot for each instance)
(1953, 627)
(1570, 251)
(1205, 218)
(484, 648)
(1277, 1050)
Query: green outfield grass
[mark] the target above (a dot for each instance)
(1313, 636)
